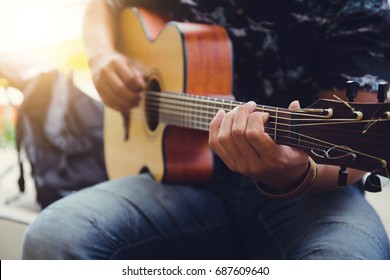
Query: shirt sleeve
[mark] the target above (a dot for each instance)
(356, 46)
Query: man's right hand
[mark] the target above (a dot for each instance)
(118, 80)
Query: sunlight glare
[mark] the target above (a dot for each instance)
(27, 24)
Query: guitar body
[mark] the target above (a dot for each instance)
(175, 57)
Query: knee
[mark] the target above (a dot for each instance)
(68, 229)
(56, 234)
(39, 238)
(343, 242)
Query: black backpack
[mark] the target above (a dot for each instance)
(60, 130)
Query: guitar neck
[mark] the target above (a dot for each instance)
(315, 130)
(196, 112)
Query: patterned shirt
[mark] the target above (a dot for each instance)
(291, 49)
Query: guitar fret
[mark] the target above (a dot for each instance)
(276, 124)
(226, 106)
(232, 105)
(200, 116)
(193, 118)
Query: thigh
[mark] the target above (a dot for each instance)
(132, 218)
(335, 225)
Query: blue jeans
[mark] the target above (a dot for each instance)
(137, 218)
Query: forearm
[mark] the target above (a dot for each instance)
(99, 29)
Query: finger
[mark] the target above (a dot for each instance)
(214, 143)
(225, 138)
(111, 99)
(131, 76)
(257, 137)
(120, 90)
(241, 118)
(234, 157)
(249, 155)
(252, 155)
(214, 128)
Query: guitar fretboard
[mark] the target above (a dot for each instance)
(196, 112)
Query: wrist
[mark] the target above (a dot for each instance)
(308, 179)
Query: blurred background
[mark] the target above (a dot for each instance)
(35, 36)
(26, 24)
(41, 33)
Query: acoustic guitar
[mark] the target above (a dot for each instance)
(189, 72)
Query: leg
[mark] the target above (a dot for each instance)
(337, 225)
(130, 218)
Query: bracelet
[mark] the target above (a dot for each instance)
(310, 177)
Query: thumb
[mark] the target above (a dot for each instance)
(294, 105)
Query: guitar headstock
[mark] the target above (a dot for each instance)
(348, 134)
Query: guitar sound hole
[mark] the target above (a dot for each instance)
(152, 104)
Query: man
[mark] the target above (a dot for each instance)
(292, 50)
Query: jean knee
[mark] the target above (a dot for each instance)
(330, 243)
(38, 241)
(59, 232)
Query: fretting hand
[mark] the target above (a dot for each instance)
(239, 139)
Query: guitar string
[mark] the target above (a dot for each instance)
(172, 109)
(192, 107)
(183, 99)
(179, 111)
(311, 143)
(202, 122)
(211, 103)
(191, 113)
(315, 145)
(233, 104)
(281, 138)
